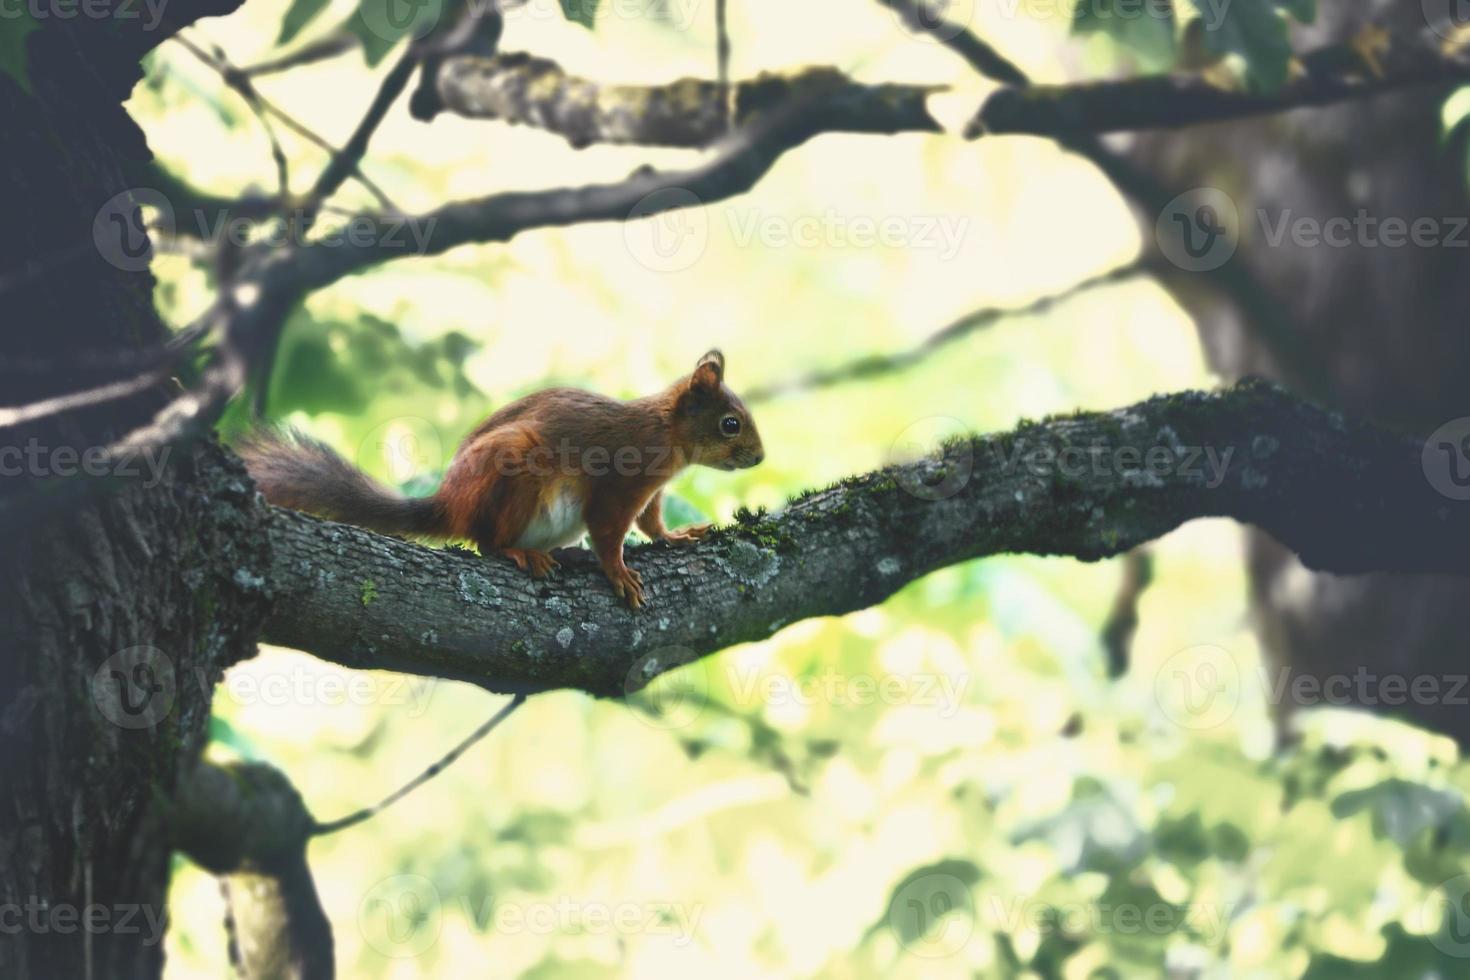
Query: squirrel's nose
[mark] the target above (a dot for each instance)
(760, 454)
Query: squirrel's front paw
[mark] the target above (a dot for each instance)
(628, 585)
(688, 535)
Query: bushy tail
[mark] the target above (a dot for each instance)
(294, 470)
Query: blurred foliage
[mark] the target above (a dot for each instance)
(947, 785)
(15, 27)
(1256, 32)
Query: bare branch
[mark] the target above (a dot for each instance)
(1336, 73)
(247, 824)
(927, 18)
(520, 88)
(877, 365)
(1122, 621)
(338, 42)
(444, 762)
(347, 161)
(741, 160)
(722, 60)
(240, 82)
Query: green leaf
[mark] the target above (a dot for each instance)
(927, 895)
(381, 24)
(14, 29)
(298, 15)
(374, 44)
(1145, 29)
(1256, 31)
(582, 12)
(224, 733)
(322, 363)
(1401, 809)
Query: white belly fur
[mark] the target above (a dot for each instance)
(557, 524)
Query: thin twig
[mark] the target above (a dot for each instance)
(337, 43)
(366, 813)
(278, 155)
(346, 161)
(722, 59)
(238, 81)
(876, 365)
(920, 16)
(158, 365)
(1122, 621)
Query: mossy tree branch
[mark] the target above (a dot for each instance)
(1344, 495)
(528, 90)
(515, 87)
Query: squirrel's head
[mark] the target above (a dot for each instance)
(713, 422)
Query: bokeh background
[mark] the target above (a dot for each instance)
(946, 785)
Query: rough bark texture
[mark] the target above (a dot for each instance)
(118, 620)
(691, 112)
(170, 570)
(1346, 496)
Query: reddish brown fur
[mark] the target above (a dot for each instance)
(604, 458)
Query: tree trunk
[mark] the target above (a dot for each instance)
(124, 595)
(1381, 327)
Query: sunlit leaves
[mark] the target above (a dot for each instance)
(1254, 31)
(1146, 29)
(582, 12)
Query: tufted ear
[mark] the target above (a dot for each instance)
(709, 372)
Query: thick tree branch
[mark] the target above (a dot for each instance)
(741, 161)
(1346, 496)
(520, 88)
(1374, 63)
(246, 823)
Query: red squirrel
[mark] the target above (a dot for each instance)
(538, 473)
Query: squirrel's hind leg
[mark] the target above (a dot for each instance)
(503, 477)
(538, 563)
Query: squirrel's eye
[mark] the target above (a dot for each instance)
(730, 425)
